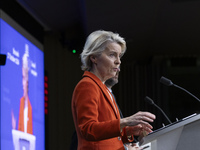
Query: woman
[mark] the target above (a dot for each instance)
(95, 113)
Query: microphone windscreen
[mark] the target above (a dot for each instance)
(149, 100)
(166, 81)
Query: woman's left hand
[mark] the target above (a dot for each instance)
(137, 130)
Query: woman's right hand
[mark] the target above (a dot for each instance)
(142, 118)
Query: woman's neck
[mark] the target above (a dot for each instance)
(96, 73)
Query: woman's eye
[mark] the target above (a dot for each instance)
(111, 54)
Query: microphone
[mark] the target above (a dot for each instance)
(150, 101)
(168, 82)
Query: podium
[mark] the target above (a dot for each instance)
(180, 135)
(23, 141)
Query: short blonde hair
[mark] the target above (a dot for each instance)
(95, 45)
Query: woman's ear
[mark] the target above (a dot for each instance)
(93, 59)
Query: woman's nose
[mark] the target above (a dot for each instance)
(118, 60)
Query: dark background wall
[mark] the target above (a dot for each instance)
(162, 39)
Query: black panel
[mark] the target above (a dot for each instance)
(22, 17)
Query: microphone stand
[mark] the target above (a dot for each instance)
(150, 101)
(168, 82)
(186, 91)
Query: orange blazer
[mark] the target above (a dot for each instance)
(21, 117)
(96, 116)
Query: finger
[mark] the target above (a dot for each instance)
(140, 118)
(145, 125)
(147, 115)
(147, 130)
(144, 133)
(146, 119)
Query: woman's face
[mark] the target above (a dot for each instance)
(107, 64)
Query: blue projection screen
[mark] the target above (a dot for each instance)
(21, 91)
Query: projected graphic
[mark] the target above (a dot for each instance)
(22, 92)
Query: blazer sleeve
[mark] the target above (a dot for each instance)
(125, 138)
(86, 98)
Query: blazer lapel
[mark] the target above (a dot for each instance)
(105, 91)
